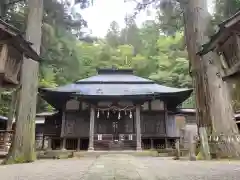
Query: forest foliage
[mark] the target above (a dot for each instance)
(156, 50)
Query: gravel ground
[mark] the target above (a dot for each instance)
(121, 167)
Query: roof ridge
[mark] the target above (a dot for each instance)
(114, 71)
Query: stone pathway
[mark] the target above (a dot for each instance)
(120, 167)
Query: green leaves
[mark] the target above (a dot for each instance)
(67, 59)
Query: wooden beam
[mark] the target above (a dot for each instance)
(233, 70)
(79, 144)
(63, 121)
(91, 129)
(7, 30)
(232, 22)
(165, 117)
(138, 127)
(63, 144)
(152, 143)
(3, 58)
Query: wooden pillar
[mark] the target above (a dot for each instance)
(138, 127)
(165, 118)
(79, 144)
(152, 144)
(49, 143)
(166, 143)
(63, 144)
(63, 122)
(91, 129)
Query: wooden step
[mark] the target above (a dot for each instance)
(114, 145)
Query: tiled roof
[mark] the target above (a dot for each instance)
(112, 82)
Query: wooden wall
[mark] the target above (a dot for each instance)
(171, 126)
(76, 124)
(52, 125)
(105, 124)
(191, 118)
(153, 121)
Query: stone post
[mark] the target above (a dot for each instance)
(91, 129)
(138, 127)
(192, 148)
(177, 146)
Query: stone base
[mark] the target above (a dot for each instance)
(90, 149)
(139, 149)
(192, 158)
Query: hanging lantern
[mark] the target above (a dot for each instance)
(130, 115)
(108, 114)
(98, 114)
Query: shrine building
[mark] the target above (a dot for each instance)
(114, 110)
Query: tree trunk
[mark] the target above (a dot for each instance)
(214, 109)
(23, 146)
(193, 36)
(223, 121)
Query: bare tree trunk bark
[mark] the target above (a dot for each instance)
(193, 35)
(223, 121)
(23, 146)
(214, 109)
